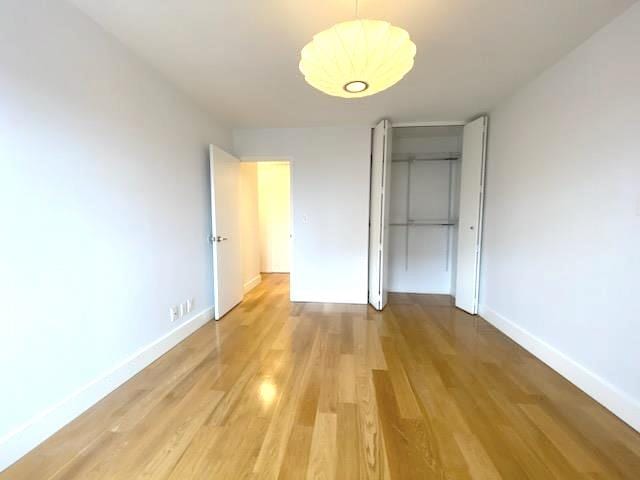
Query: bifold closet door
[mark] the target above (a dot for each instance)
(470, 218)
(379, 214)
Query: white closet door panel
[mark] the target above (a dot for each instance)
(429, 198)
(397, 273)
(399, 178)
(379, 214)
(470, 220)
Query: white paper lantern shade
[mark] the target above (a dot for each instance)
(357, 58)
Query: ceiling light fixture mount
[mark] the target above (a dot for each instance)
(357, 58)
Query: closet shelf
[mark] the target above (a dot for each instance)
(439, 158)
(424, 223)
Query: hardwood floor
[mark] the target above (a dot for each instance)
(281, 390)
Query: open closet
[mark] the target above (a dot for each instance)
(426, 210)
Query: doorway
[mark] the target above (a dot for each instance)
(427, 185)
(266, 214)
(424, 193)
(274, 216)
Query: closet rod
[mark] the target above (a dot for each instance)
(423, 224)
(441, 159)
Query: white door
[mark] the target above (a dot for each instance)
(379, 214)
(225, 230)
(470, 220)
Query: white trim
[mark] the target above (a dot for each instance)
(618, 402)
(27, 436)
(453, 123)
(253, 283)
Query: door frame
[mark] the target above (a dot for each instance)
(461, 123)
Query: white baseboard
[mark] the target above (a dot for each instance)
(609, 396)
(253, 283)
(24, 438)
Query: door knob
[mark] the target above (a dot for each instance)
(220, 239)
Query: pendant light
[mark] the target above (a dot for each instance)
(357, 58)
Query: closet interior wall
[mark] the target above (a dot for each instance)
(425, 180)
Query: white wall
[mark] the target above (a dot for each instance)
(274, 199)
(561, 260)
(330, 202)
(104, 201)
(249, 225)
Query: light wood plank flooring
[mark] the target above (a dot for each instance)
(281, 390)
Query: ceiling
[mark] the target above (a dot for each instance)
(239, 58)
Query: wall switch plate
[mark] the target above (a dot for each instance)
(173, 313)
(183, 309)
(189, 305)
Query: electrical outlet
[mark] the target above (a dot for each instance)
(183, 309)
(173, 313)
(189, 305)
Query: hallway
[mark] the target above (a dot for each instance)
(280, 390)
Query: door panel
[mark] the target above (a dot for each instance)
(225, 228)
(379, 214)
(470, 219)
